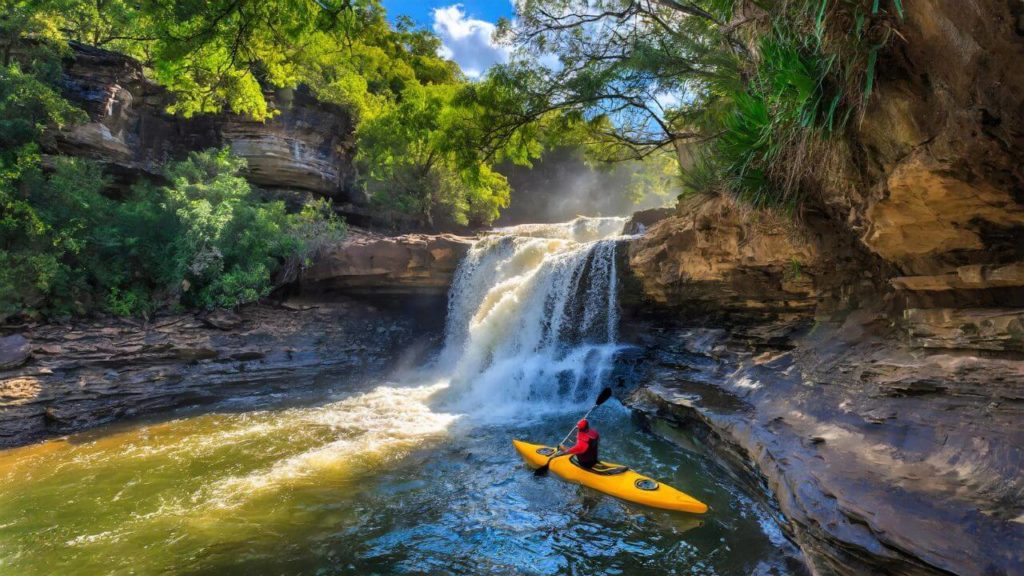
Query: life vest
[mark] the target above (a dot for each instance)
(588, 440)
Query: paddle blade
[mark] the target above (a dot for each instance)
(603, 396)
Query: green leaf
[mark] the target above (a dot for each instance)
(870, 73)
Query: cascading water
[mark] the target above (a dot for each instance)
(532, 318)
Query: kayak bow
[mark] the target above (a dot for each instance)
(612, 479)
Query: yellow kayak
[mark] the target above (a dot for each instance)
(612, 479)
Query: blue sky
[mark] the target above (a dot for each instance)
(465, 28)
(421, 11)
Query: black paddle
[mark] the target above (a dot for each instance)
(601, 398)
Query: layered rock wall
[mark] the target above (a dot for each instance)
(307, 148)
(939, 154)
(718, 256)
(879, 400)
(56, 379)
(372, 264)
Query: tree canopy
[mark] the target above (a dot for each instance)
(427, 139)
(744, 92)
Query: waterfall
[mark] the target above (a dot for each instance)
(532, 317)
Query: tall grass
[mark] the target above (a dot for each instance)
(812, 70)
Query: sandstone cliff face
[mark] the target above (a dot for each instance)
(942, 142)
(718, 256)
(876, 402)
(373, 264)
(307, 147)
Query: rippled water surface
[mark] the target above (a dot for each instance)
(375, 481)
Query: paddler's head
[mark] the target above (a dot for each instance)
(582, 425)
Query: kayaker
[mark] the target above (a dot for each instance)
(585, 448)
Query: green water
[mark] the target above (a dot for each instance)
(373, 481)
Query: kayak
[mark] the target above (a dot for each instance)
(612, 479)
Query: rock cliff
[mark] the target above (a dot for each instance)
(306, 149)
(862, 363)
(937, 177)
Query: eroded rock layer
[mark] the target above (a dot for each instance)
(307, 147)
(862, 362)
(878, 460)
(76, 376)
(374, 264)
(938, 177)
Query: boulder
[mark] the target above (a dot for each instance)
(15, 350)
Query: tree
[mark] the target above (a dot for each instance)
(745, 93)
(636, 72)
(419, 160)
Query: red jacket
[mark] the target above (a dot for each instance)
(585, 448)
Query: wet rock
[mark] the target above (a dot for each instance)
(15, 350)
(189, 354)
(52, 417)
(878, 459)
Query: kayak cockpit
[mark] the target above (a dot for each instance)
(601, 468)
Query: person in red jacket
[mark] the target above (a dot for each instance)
(585, 448)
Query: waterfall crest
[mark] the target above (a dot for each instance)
(532, 317)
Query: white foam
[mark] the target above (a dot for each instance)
(533, 318)
(384, 423)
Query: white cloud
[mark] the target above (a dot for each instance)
(467, 41)
(667, 100)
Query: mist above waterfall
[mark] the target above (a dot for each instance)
(562, 185)
(532, 318)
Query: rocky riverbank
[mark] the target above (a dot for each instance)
(879, 415)
(877, 458)
(361, 308)
(56, 379)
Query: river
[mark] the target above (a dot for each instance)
(412, 475)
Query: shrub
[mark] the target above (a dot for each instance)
(205, 240)
(230, 245)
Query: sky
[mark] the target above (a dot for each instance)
(465, 28)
